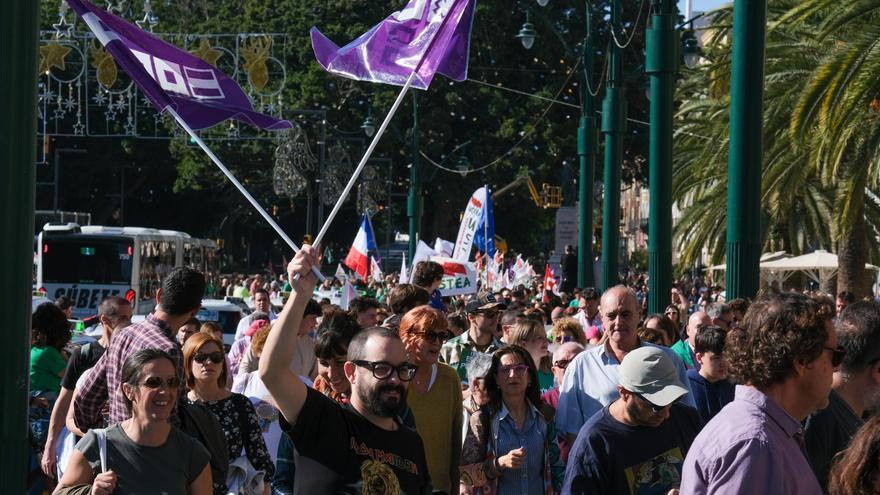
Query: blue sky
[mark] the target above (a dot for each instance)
(703, 5)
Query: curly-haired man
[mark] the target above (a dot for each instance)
(783, 357)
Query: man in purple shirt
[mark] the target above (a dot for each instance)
(784, 355)
(178, 300)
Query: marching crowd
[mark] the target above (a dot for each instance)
(515, 392)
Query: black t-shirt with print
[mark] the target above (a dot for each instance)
(336, 450)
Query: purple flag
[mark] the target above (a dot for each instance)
(391, 50)
(170, 77)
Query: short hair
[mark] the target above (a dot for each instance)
(259, 315)
(426, 273)
(846, 296)
(710, 338)
(776, 332)
(590, 294)
(417, 320)
(715, 310)
(858, 332)
(313, 308)
(457, 320)
(260, 290)
(50, 326)
(111, 305)
(193, 321)
(535, 314)
(739, 304)
(64, 303)
(191, 347)
(357, 346)
(211, 327)
(133, 367)
(568, 324)
(361, 304)
(405, 297)
(510, 317)
(182, 290)
(336, 330)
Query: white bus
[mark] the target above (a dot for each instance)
(92, 262)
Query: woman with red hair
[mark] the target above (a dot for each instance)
(434, 395)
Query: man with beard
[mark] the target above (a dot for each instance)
(855, 388)
(639, 442)
(361, 448)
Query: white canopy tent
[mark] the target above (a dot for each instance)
(820, 265)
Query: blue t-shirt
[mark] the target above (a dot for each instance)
(709, 397)
(611, 457)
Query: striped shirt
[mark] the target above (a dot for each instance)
(104, 384)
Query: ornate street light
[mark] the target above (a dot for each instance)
(369, 125)
(691, 53)
(527, 34)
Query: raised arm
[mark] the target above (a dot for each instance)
(286, 388)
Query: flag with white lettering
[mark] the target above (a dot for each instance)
(436, 32)
(170, 77)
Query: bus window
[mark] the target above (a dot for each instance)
(80, 260)
(157, 259)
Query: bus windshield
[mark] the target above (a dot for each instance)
(81, 260)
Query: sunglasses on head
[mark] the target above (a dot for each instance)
(215, 357)
(562, 363)
(437, 337)
(158, 381)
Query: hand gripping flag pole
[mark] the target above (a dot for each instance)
(194, 92)
(381, 38)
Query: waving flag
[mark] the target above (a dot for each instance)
(375, 270)
(549, 279)
(484, 237)
(348, 295)
(170, 77)
(403, 278)
(391, 50)
(340, 273)
(358, 256)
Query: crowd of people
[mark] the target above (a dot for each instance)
(510, 392)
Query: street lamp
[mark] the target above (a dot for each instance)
(369, 125)
(463, 165)
(527, 33)
(543, 3)
(691, 53)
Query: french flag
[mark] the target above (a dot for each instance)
(358, 259)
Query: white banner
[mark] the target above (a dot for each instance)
(458, 277)
(469, 223)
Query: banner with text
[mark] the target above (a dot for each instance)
(469, 222)
(458, 277)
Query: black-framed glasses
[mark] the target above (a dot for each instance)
(382, 370)
(560, 339)
(158, 381)
(562, 363)
(215, 357)
(837, 355)
(437, 337)
(654, 407)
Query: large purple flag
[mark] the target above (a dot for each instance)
(170, 77)
(391, 50)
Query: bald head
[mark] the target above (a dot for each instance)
(618, 293)
(697, 321)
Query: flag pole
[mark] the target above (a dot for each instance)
(238, 186)
(379, 132)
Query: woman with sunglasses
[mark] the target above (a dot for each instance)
(144, 452)
(529, 334)
(511, 444)
(434, 395)
(568, 330)
(205, 370)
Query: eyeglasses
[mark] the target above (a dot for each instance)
(837, 355)
(382, 370)
(654, 407)
(562, 363)
(215, 357)
(158, 381)
(438, 337)
(517, 369)
(563, 338)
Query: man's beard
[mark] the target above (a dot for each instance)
(383, 408)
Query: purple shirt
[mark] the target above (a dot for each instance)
(751, 446)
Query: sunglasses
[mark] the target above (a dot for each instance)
(654, 407)
(437, 337)
(215, 357)
(563, 338)
(517, 369)
(382, 370)
(562, 363)
(837, 355)
(158, 381)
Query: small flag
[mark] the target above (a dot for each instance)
(391, 50)
(484, 237)
(549, 279)
(443, 248)
(423, 253)
(348, 295)
(357, 258)
(375, 270)
(404, 276)
(170, 77)
(340, 273)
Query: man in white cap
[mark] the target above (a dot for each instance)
(638, 443)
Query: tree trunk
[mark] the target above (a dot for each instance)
(852, 254)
